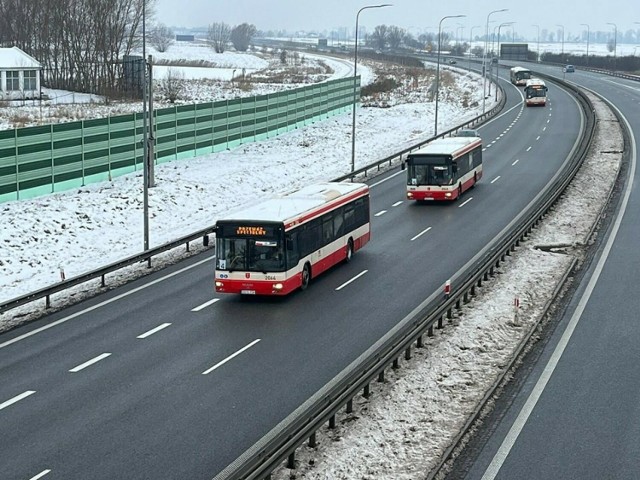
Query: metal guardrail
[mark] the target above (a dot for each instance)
(204, 233)
(281, 442)
(103, 271)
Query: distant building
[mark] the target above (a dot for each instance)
(185, 38)
(19, 75)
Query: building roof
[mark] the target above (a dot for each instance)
(14, 58)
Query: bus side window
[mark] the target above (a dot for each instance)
(293, 253)
(338, 222)
(327, 229)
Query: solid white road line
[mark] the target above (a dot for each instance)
(205, 305)
(16, 399)
(352, 280)
(230, 357)
(90, 362)
(154, 330)
(421, 233)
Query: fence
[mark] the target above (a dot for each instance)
(51, 158)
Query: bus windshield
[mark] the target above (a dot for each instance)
(535, 92)
(430, 171)
(250, 255)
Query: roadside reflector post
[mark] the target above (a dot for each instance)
(516, 310)
(62, 275)
(447, 288)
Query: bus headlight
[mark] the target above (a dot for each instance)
(277, 287)
(409, 195)
(448, 194)
(219, 284)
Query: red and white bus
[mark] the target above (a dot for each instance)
(279, 245)
(535, 92)
(444, 169)
(519, 75)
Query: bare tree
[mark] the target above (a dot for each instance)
(395, 36)
(219, 35)
(241, 36)
(172, 85)
(379, 36)
(80, 43)
(162, 37)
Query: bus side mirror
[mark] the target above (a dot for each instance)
(402, 166)
(454, 168)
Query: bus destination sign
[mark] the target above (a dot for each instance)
(254, 231)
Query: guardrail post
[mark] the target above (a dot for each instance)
(350, 406)
(440, 322)
(430, 331)
(332, 422)
(466, 297)
(291, 461)
(381, 376)
(47, 301)
(367, 391)
(205, 241)
(473, 290)
(449, 313)
(419, 343)
(396, 364)
(312, 440)
(188, 246)
(407, 353)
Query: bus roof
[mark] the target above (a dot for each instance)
(535, 82)
(454, 146)
(301, 205)
(520, 69)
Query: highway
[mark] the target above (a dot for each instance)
(163, 379)
(574, 413)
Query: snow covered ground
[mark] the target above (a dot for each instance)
(411, 418)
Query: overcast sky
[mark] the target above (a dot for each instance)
(413, 15)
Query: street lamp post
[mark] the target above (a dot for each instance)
(538, 44)
(615, 43)
(587, 25)
(470, 41)
(498, 57)
(484, 58)
(562, 27)
(435, 128)
(458, 34)
(145, 134)
(355, 69)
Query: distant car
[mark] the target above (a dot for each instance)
(467, 132)
(569, 69)
(452, 62)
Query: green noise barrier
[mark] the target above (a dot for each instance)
(51, 158)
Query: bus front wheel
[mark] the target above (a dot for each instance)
(306, 277)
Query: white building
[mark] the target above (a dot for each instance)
(19, 75)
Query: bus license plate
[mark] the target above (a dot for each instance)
(248, 292)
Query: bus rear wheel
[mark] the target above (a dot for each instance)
(306, 277)
(349, 251)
